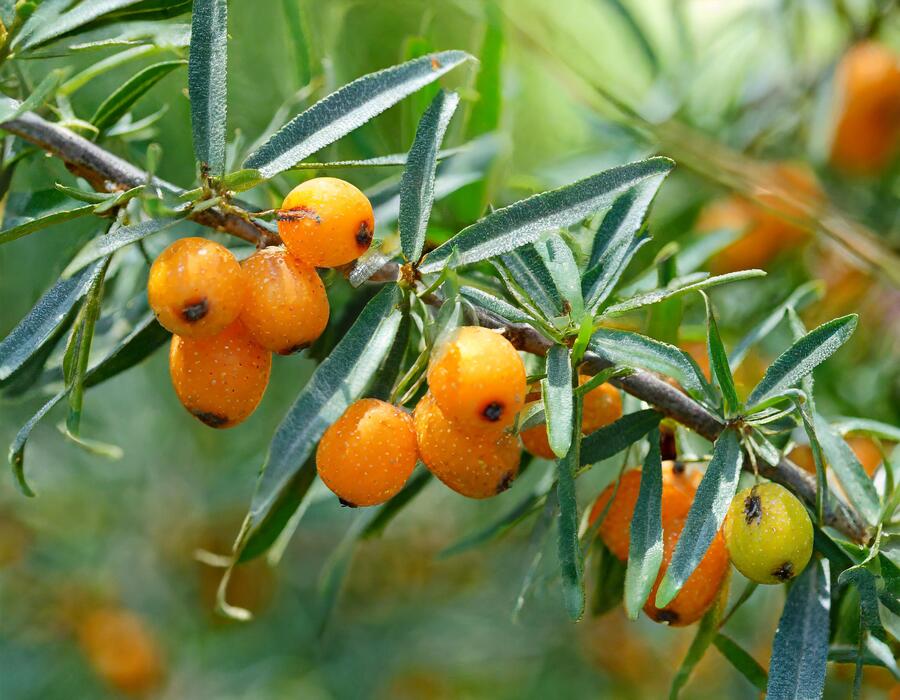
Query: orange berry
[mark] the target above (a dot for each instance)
(477, 465)
(286, 307)
(867, 132)
(220, 380)
(326, 222)
(478, 379)
(121, 649)
(679, 487)
(367, 455)
(864, 448)
(196, 287)
(700, 590)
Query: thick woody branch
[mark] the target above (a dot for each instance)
(107, 172)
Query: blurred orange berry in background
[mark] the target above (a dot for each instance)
(864, 448)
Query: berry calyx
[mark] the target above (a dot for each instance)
(474, 464)
(221, 379)
(367, 455)
(478, 379)
(286, 307)
(768, 534)
(326, 222)
(196, 288)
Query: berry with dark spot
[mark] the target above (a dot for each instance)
(768, 533)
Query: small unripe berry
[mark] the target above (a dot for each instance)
(768, 533)
(221, 379)
(478, 379)
(478, 465)
(367, 455)
(286, 307)
(196, 288)
(326, 222)
(679, 488)
(699, 591)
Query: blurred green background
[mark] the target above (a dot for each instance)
(557, 96)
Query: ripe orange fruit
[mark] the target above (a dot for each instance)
(478, 379)
(221, 379)
(868, 125)
(326, 222)
(475, 464)
(121, 649)
(864, 448)
(602, 406)
(286, 307)
(700, 590)
(679, 487)
(196, 287)
(367, 455)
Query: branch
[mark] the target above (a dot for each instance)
(108, 172)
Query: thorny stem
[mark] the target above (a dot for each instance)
(107, 172)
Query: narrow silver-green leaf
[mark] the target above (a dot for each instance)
(706, 633)
(118, 238)
(42, 221)
(10, 108)
(46, 29)
(569, 549)
(564, 271)
(718, 361)
(742, 661)
(207, 74)
(523, 222)
(348, 108)
(645, 548)
(803, 357)
(494, 304)
(417, 183)
(615, 437)
(875, 428)
(800, 649)
(705, 517)
(526, 272)
(557, 395)
(121, 100)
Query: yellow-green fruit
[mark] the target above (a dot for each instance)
(768, 534)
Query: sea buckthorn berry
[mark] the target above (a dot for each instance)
(196, 287)
(864, 448)
(867, 131)
(367, 455)
(220, 380)
(286, 307)
(326, 222)
(477, 465)
(768, 533)
(478, 379)
(679, 487)
(699, 591)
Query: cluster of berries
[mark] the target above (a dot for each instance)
(228, 317)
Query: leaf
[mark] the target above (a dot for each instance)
(348, 108)
(865, 583)
(494, 304)
(569, 550)
(53, 216)
(523, 222)
(556, 390)
(207, 88)
(564, 272)
(742, 661)
(43, 319)
(10, 108)
(615, 437)
(845, 465)
(677, 288)
(341, 378)
(417, 183)
(883, 431)
(101, 246)
(800, 649)
(535, 549)
(298, 35)
(609, 580)
(645, 549)
(706, 633)
(528, 278)
(707, 512)
(121, 100)
(803, 357)
(392, 160)
(633, 349)
(718, 361)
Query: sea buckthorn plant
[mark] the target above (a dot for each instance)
(549, 334)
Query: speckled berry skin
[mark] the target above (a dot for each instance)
(477, 465)
(768, 533)
(285, 308)
(196, 288)
(368, 454)
(602, 406)
(700, 590)
(478, 379)
(326, 222)
(221, 379)
(679, 488)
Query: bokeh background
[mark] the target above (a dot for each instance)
(738, 92)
